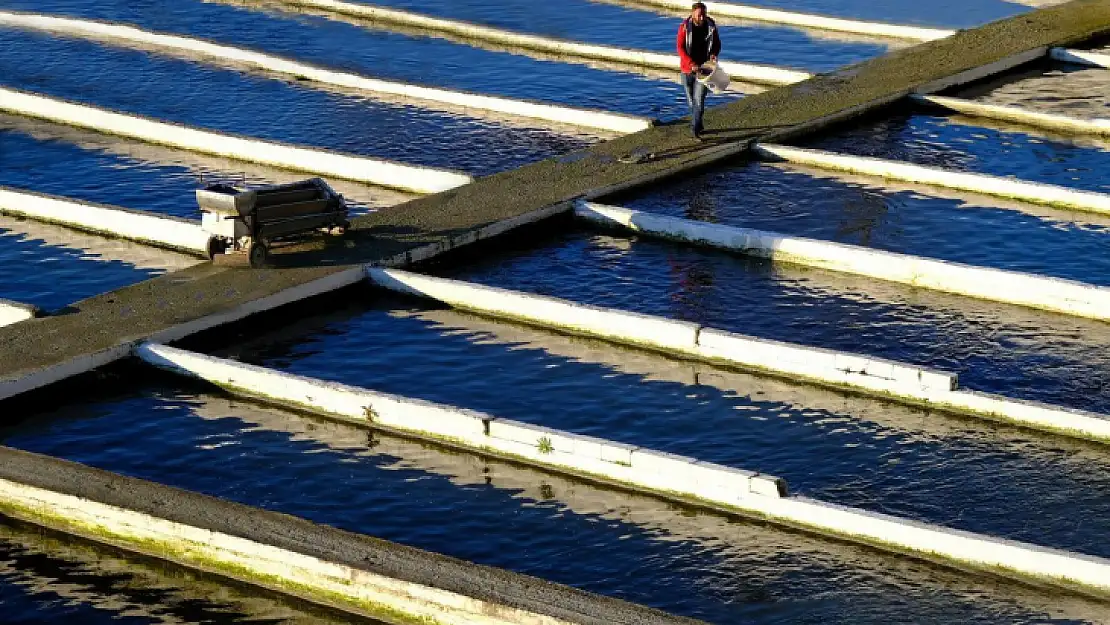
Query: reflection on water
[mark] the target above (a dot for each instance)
(50, 579)
(962, 472)
(1064, 90)
(638, 548)
(52, 267)
(178, 171)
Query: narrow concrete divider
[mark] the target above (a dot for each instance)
(355, 573)
(762, 74)
(14, 312)
(807, 20)
(26, 381)
(29, 380)
(150, 228)
(361, 169)
(627, 327)
(118, 33)
(665, 475)
(1010, 287)
(626, 464)
(1033, 192)
(1047, 121)
(1080, 57)
(911, 384)
(358, 591)
(670, 336)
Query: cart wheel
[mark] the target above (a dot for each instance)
(257, 254)
(216, 246)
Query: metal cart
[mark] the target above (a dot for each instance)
(250, 220)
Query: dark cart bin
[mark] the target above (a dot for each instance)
(250, 220)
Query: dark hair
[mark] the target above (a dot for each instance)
(699, 5)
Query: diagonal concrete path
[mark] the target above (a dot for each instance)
(101, 325)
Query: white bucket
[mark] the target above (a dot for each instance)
(711, 75)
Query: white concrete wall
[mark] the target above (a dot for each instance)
(806, 20)
(1033, 192)
(1011, 287)
(762, 74)
(1080, 57)
(255, 562)
(14, 312)
(1047, 121)
(369, 170)
(666, 475)
(119, 33)
(909, 383)
(30, 380)
(158, 230)
(628, 464)
(607, 323)
(671, 336)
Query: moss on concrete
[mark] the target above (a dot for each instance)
(196, 556)
(494, 586)
(696, 501)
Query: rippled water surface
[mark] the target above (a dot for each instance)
(631, 547)
(958, 472)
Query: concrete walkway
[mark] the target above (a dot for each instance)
(500, 202)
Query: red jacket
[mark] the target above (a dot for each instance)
(702, 49)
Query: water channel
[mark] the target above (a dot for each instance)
(855, 451)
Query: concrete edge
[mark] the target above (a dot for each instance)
(1046, 121)
(476, 431)
(352, 572)
(660, 474)
(1032, 192)
(42, 377)
(810, 20)
(237, 57)
(35, 379)
(749, 72)
(909, 384)
(1080, 57)
(317, 580)
(1010, 287)
(670, 336)
(144, 227)
(31, 380)
(14, 312)
(361, 169)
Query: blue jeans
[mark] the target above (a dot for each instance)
(695, 98)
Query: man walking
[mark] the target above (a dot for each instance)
(698, 43)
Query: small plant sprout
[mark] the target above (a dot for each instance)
(545, 445)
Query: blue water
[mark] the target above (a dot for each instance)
(976, 231)
(634, 548)
(68, 269)
(959, 472)
(1005, 349)
(581, 20)
(933, 141)
(388, 55)
(229, 101)
(46, 578)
